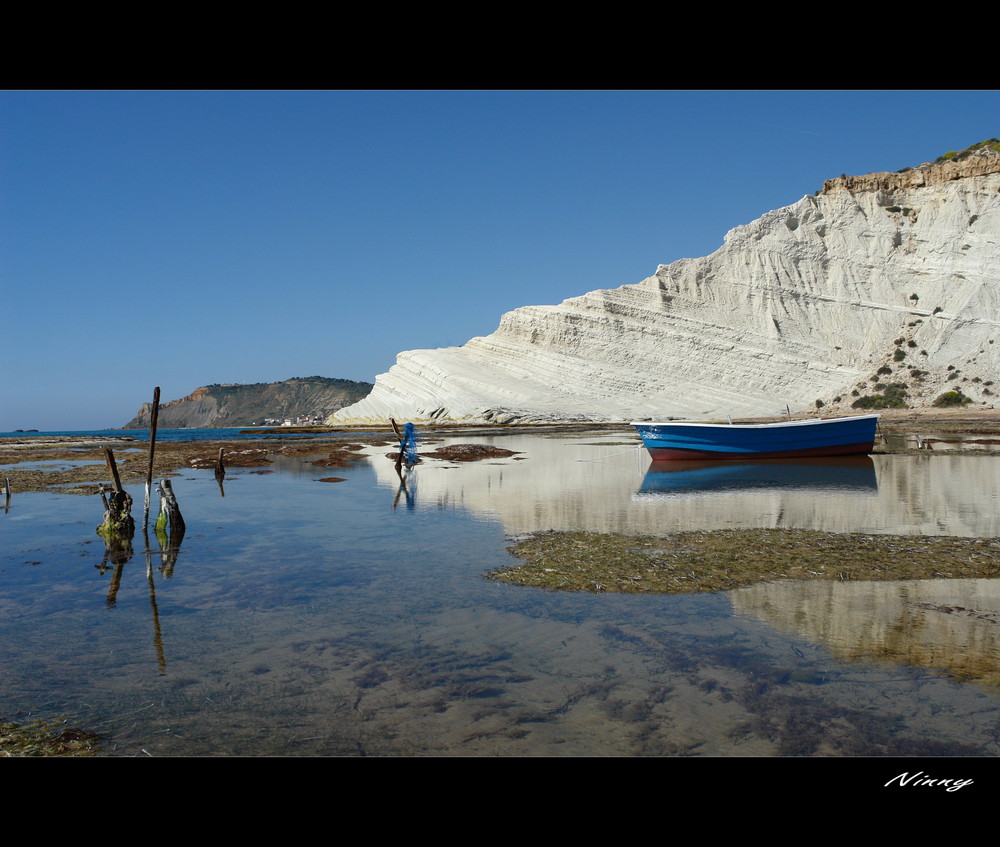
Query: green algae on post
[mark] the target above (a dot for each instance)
(719, 560)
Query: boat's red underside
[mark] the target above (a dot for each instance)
(674, 454)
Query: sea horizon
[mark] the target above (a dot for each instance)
(172, 434)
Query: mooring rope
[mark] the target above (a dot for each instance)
(611, 455)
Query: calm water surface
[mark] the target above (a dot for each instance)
(302, 617)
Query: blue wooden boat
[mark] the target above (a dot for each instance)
(679, 440)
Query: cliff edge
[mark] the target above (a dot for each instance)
(883, 286)
(978, 160)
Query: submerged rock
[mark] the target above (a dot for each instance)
(470, 452)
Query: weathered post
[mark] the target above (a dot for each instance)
(152, 449)
(170, 512)
(402, 444)
(109, 457)
(118, 527)
(118, 522)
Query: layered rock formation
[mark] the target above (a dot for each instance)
(977, 160)
(248, 405)
(887, 278)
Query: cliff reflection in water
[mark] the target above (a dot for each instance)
(304, 618)
(947, 625)
(603, 486)
(950, 626)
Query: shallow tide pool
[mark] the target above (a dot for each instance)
(301, 617)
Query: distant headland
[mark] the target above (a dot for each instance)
(300, 401)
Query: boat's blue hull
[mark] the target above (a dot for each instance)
(787, 439)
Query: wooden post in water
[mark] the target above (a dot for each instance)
(402, 444)
(109, 457)
(169, 510)
(118, 520)
(152, 449)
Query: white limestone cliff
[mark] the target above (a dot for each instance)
(804, 304)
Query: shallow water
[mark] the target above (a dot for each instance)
(190, 434)
(308, 618)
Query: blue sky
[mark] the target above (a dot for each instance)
(186, 238)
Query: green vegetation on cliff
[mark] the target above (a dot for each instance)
(893, 396)
(951, 398)
(991, 143)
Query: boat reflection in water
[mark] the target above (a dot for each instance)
(849, 474)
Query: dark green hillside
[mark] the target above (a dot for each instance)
(309, 398)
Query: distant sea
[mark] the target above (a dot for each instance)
(171, 434)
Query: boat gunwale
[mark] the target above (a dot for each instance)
(773, 425)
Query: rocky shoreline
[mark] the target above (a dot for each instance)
(76, 464)
(722, 560)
